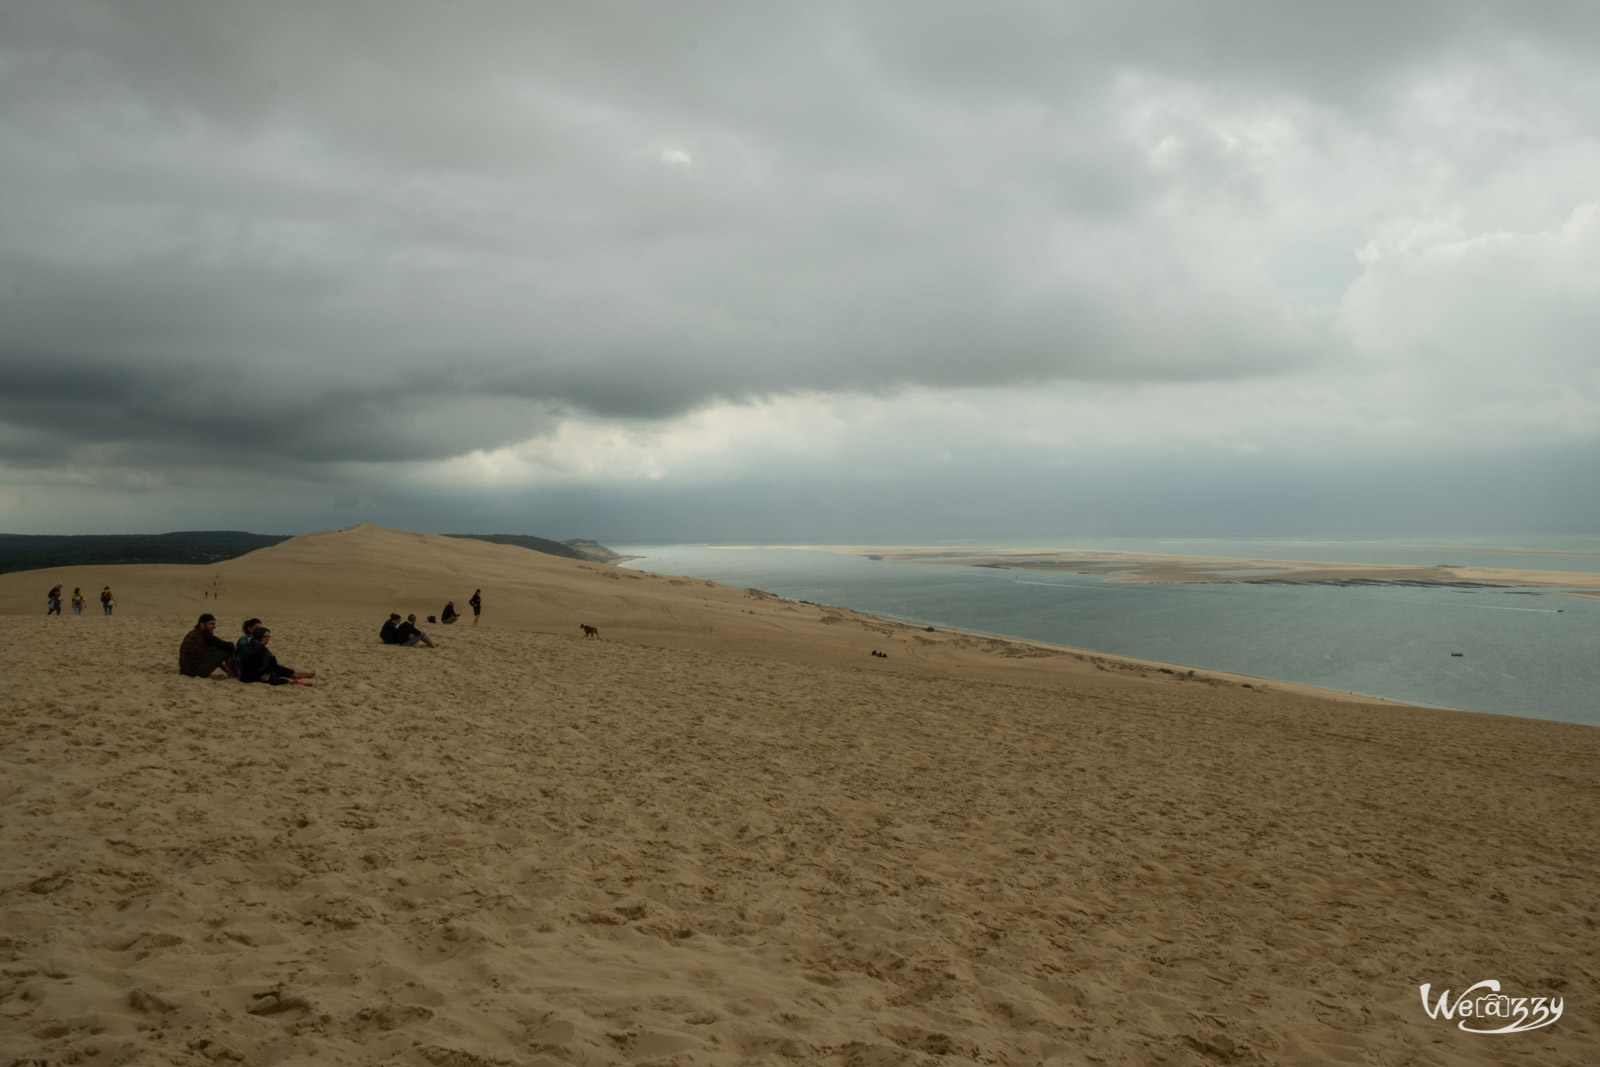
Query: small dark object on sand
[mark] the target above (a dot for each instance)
(1455, 653)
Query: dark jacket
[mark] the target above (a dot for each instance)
(257, 660)
(389, 635)
(196, 643)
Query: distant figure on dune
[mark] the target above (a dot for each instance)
(449, 614)
(107, 601)
(258, 664)
(77, 600)
(52, 602)
(395, 632)
(477, 605)
(202, 651)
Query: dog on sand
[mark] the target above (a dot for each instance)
(589, 631)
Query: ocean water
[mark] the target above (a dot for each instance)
(1527, 652)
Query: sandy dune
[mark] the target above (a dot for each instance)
(724, 834)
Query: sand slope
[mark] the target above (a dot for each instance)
(718, 837)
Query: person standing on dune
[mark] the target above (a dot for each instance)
(477, 605)
(107, 602)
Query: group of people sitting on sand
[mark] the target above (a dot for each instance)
(398, 632)
(248, 658)
(202, 652)
(395, 632)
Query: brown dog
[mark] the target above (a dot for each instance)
(589, 631)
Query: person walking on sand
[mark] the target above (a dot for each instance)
(477, 605)
(202, 651)
(52, 601)
(107, 601)
(258, 664)
(77, 600)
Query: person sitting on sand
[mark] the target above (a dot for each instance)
(449, 614)
(53, 601)
(258, 664)
(395, 632)
(202, 651)
(409, 635)
(244, 637)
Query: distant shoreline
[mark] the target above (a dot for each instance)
(1144, 567)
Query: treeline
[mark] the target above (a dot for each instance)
(27, 552)
(31, 552)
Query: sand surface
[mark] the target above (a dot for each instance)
(724, 834)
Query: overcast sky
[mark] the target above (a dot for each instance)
(820, 271)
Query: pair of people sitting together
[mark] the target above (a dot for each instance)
(248, 659)
(395, 632)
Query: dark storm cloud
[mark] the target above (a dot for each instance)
(407, 231)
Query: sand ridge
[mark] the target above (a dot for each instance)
(688, 844)
(1152, 567)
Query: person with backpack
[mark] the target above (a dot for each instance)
(107, 601)
(53, 601)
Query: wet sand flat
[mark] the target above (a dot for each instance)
(1147, 567)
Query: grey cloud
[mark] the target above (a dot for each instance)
(379, 231)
